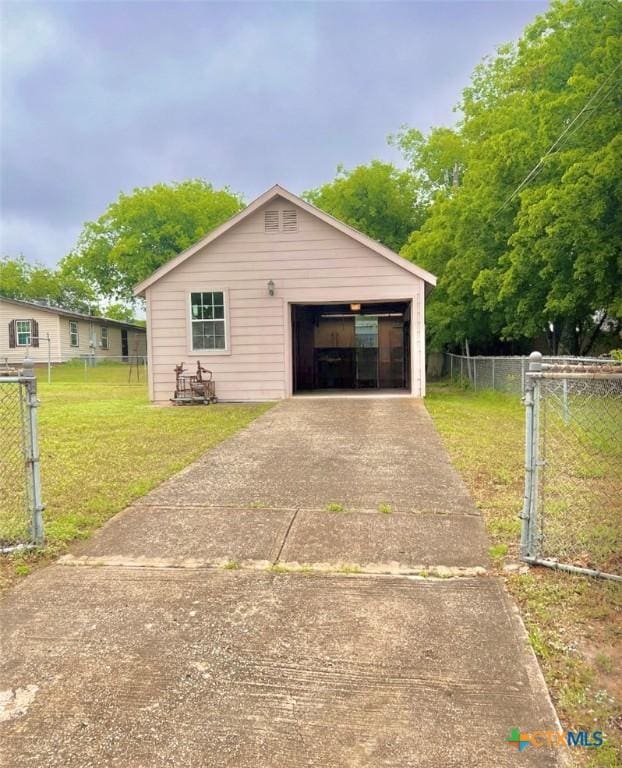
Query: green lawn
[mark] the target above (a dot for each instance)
(574, 623)
(103, 445)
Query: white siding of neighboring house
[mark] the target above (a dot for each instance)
(318, 263)
(87, 330)
(137, 343)
(93, 329)
(48, 323)
(58, 328)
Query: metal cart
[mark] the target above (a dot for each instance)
(194, 389)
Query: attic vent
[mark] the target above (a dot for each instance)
(290, 222)
(281, 221)
(271, 221)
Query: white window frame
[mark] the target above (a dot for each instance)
(17, 332)
(75, 333)
(105, 339)
(189, 321)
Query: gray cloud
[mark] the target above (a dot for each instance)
(100, 97)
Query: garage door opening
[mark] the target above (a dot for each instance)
(358, 346)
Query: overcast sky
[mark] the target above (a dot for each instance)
(102, 97)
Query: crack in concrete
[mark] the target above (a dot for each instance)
(289, 527)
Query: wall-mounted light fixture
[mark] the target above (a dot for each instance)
(271, 287)
(355, 307)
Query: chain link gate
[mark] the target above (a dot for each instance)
(572, 513)
(21, 521)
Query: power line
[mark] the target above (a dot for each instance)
(578, 127)
(538, 166)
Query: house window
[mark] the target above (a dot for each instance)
(104, 338)
(23, 331)
(207, 320)
(74, 338)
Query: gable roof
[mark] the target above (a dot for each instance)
(71, 314)
(266, 197)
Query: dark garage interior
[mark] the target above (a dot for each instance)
(351, 346)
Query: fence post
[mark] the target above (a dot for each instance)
(475, 361)
(33, 456)
(493, 373)
(528, 515)
(522, 373)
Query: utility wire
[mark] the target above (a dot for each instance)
(568, 135)
(538, 166)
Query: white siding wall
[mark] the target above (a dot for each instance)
(48, 323)
(136, 340)
(86, 329)
(58, 328)
(137, 343)
(315, 264)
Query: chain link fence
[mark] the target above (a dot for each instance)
(117, 371)
(20, 488)
(504, 374)
(572, 516)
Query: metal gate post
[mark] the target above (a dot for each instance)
(522, 373)
(528, 540)
(33, 455)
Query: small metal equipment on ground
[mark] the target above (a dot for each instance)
(197, 389)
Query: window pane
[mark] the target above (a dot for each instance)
(195, 302)
(198, 340)
(208, 320)
(23, 332)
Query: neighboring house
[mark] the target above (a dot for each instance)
(283, 299)
(25, 326)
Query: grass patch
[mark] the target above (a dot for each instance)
(279, 568)
(334, 506)
(348, 568)
(574, 623)
(103, 445)
(385, 509)
(497, 552)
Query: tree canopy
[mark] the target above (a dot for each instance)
(524, 225)
(377, 199)
(140, 231)
(21, 280)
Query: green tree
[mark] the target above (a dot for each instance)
(20, 279)
(140, 231)
(122, 312)
(522, 259)
(436, 160)
(377, 199)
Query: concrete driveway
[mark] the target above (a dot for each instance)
(230, 619)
